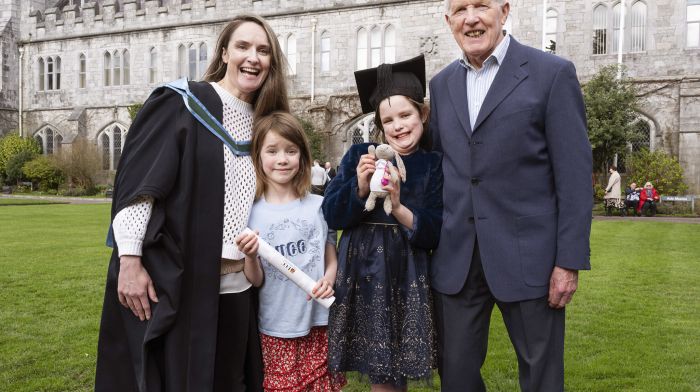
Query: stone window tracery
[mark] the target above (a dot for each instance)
(191, 60)
(110, 142)
(49, 140)
(377, 47)
(49, 73)
(117, 67)
(82, 71)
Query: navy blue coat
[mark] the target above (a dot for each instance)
(520, 181)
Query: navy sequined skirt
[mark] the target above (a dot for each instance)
(381, 324)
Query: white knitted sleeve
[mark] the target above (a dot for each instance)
(130, 224)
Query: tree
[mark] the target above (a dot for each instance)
(315, 140)
(610, 108)
(12, 144)
(81, 164)
(134, 110)
(44, 171)
(661, 169)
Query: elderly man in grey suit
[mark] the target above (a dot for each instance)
(511, 124)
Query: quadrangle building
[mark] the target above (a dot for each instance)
(71, 68)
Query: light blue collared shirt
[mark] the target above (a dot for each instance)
(479, 80)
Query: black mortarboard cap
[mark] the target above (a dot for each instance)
(403, 78)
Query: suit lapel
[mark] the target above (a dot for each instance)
(457, 86)
(509, 75)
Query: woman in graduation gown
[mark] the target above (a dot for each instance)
(179, 313)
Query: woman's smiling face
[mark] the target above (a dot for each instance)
(247, 59)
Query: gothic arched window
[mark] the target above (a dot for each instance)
(110, 141)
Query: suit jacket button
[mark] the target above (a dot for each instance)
(471, 219)
(475, 181)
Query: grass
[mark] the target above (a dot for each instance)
(26, 202)
(634, 325)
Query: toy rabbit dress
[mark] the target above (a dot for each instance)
(381, 323)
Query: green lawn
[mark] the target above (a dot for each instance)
(634, 325)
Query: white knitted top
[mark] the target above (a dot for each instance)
(130, 223)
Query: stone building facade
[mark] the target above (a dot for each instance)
(83, 63)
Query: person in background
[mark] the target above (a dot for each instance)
(318, 178)
(632, 194)
(330, 171)
(648, 197)
(613, 192)
(179, 312)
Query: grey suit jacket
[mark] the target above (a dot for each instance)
(519, 182)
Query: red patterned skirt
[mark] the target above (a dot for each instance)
(299, 364)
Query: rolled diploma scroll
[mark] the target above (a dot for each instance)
(289, 269)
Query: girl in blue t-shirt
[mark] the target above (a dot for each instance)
(293, 329)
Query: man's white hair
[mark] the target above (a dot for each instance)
(447, 4)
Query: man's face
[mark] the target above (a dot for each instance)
(477, 26)
(633, 186)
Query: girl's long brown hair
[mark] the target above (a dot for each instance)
(286, 126)
(272, 95)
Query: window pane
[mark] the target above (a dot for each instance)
(49, 73)
(58, 73)
(116, 69)
(105, 150)
(126, 71)
(693, 13)
(49, 141)
(637, 29)
(192, 63)
(292, 54)
(117, 138)
(58, 143)
(325, 53)
(693, 35)
(152, 66)
(181, 61)
(202, 59)
(390, 44)
(108, 68)
(41, 74)
(83, 71)
(361, 49)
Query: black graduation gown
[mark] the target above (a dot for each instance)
(170, 156)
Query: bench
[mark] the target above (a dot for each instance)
(687, 198)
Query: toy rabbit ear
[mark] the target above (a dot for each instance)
(370, 150)
(402, 168)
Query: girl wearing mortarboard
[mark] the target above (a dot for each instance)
(381, 324)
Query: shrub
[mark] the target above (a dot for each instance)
(81, 164)
(315, 140)
(12, 144)
(661, 169)
(598, 192)
(44, 171)
(14, 165)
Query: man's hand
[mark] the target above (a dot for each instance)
(562, 286)
(135, 287)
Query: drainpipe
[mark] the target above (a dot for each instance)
(313, 59)
(21, 65)
(621, 41)
(544, 24)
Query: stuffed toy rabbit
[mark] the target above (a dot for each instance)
(384, 153)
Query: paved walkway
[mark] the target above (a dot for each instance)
(62, 199)
(672, 219)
